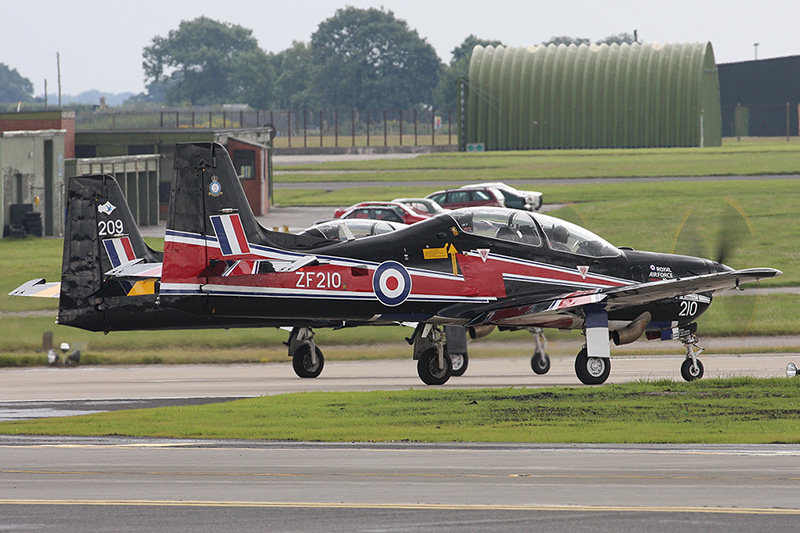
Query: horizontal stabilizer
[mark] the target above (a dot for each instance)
(37, 288)
(136, 269)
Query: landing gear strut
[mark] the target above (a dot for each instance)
(692, 367)
(433, 363)
(540, 361)
(307, 359)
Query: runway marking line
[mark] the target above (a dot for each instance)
(390, 475)
(407, 506)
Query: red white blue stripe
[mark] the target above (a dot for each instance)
(230, 234)
(119, 250)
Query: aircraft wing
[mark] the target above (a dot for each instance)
(640, 293)
(521, 309)
(38, 288)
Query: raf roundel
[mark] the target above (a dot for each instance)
(391, 283)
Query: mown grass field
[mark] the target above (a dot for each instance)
(736, 410)
(748, 157)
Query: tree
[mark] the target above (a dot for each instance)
(201, 56)
(619, 38)
(293, 87)
(567, 40)
(464, 50)
(446, 92)
(367, 58)
(252, 79)
(13, 87)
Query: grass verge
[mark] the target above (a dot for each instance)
(737, 410)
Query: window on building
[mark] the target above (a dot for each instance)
(83, 151)
(245, 163)
(141, 149)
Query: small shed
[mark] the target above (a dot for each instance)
(32, 170)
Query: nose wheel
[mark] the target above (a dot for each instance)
(692, 367)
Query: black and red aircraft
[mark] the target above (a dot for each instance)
(473, 268)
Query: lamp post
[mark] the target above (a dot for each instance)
(755, 49)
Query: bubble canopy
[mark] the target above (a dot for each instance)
(532, 229)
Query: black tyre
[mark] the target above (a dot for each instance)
(303, 365)
(459, 362)
(689, 371)
(592, 370)
(428, 368)
(540, 363)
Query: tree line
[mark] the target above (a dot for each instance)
(356, 59)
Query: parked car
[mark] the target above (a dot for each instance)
(348, 229)
(391, 211)
(479, 196)
(514, 198)
(422, 205)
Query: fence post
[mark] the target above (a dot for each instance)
(336, 128)
(415, 128)
(367, 127)
(193, 118)
(162, 119)
(353, 125)
(787, 121)
(210, 119)
(177, 118)
(289, 126)
(320, 129)
(401, 127)
(384, 129)
(241, 118)
(305, 129)
(449, 126)
(224, 119)
(433, 127)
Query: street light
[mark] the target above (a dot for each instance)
(755, 48)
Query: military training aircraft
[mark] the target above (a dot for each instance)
(473, 268)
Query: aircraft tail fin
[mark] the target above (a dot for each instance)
(100, 235)
(208, 206)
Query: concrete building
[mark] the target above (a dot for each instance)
(32, 172)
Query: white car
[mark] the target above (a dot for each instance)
(514, 198)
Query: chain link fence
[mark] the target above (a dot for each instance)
(295, 129)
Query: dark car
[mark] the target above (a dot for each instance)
(478, 197)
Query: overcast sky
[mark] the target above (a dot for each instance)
(101, 42)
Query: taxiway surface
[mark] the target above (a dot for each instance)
(142, 484)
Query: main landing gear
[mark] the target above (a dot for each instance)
(592, 370)
(540, 361)
(434, 366)
(307, 359)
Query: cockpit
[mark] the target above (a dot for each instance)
(533, 229)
